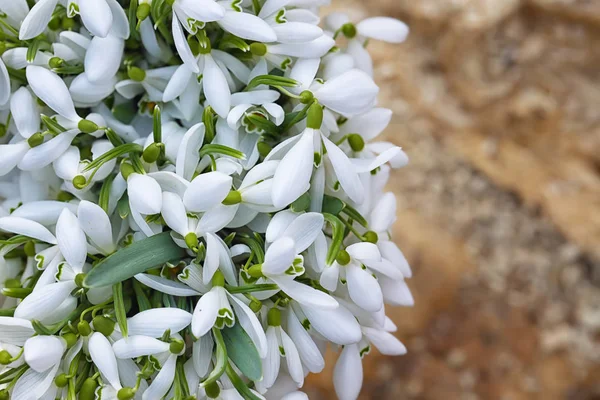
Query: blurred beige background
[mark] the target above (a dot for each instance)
(497, 103)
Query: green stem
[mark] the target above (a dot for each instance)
(261, 287)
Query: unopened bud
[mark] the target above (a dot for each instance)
(306, 97)
(87, 126)
(349, 30)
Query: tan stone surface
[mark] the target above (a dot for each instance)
(496, 103)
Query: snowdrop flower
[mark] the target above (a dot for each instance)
(279, 344)
(153, 82)
(4, 84)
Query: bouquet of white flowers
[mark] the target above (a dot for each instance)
(192, 199)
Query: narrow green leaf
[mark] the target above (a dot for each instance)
(157, 125)
(104, 196)
(261, 123)
(239, 384)
(52, 125)
(271, 80)
(133, 5)
(123, 206)
(242, 352)
(355, 215)
(142, 299)
(40, 328)
(112, 154)
(137, 258)
(17, 293)
(260, 287)
(33, 49)
(221, 356)
(220, 149)
(112, 136)
(338, 237)
(119, 304)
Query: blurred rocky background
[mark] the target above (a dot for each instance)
(497, 103)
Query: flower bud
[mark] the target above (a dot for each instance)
(258, 49)
(79, 182)
(84, 329)
(343, 258)
(152, 152)
(349, 30)
(371, 237)
(143, 11)
(105, 326)
(61, 381)
(306, 97)
(87, 126)
(35, 140)
(357, 143)
(88, 389)
(315, 116)
(234, 197)
(126, 170)
(274, 317)
(136, 74)
(126, 393)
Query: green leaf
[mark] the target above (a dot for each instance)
(239, 384)
(260, 122)
(123, 206)
(338, 237)
(355, 215)
(157, 125)
(33, 49)
(142, 299)
(332, 205)
(119, 304)
(137, 258)
(52, 125)
(104, 196)
(220, 149)
(112, 154)
(221, 356)
(271, 80)
(242, 352)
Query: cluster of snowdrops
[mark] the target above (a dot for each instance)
(192, 199)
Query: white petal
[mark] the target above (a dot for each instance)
(202, 355)
(25, 112)
(37, 19)
(271, 7)
(45, 212)
(202, 10)
(207, 191)
(385, 342)
(15, 331)
(104, 358)
(163, 381)
(11, 155)
(4, 84)
(354, 84)
(165, 285)
(345, 172)
(279, 223)
(247, 26)
(188, 156)
(383, 28)
(216, 88)
(47, 152)
(272, 362)
(96, 224)
(364, 251)
(297, 32)
(174, 213)
(396, 292)
(170, 182)
(183, 48)
(129, 88)
(237, 67)
(211, 261)
(338, 326)
(71, 239)
(120, 26)
(85, 92)
(136, 346)
(43, 352)
(348, 374)
(248, 320)
(156, 321)
(96, 16)
(307, 349)
(205, 313)
(33, 385)
(364, 289)
(44, 301)
(216, 218)
(294, 171)
(276, 112)
(305, 70)
(360, 57)
(145, 194)
(330, 277)
(255, 97)
(314, 49)
(369, 125)
(279, 257)
(304, 230)
(51, 89)
(103, 57)
(25, 227)
(393, 254)
(292, 358)
(305, 294)
(259, 195)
